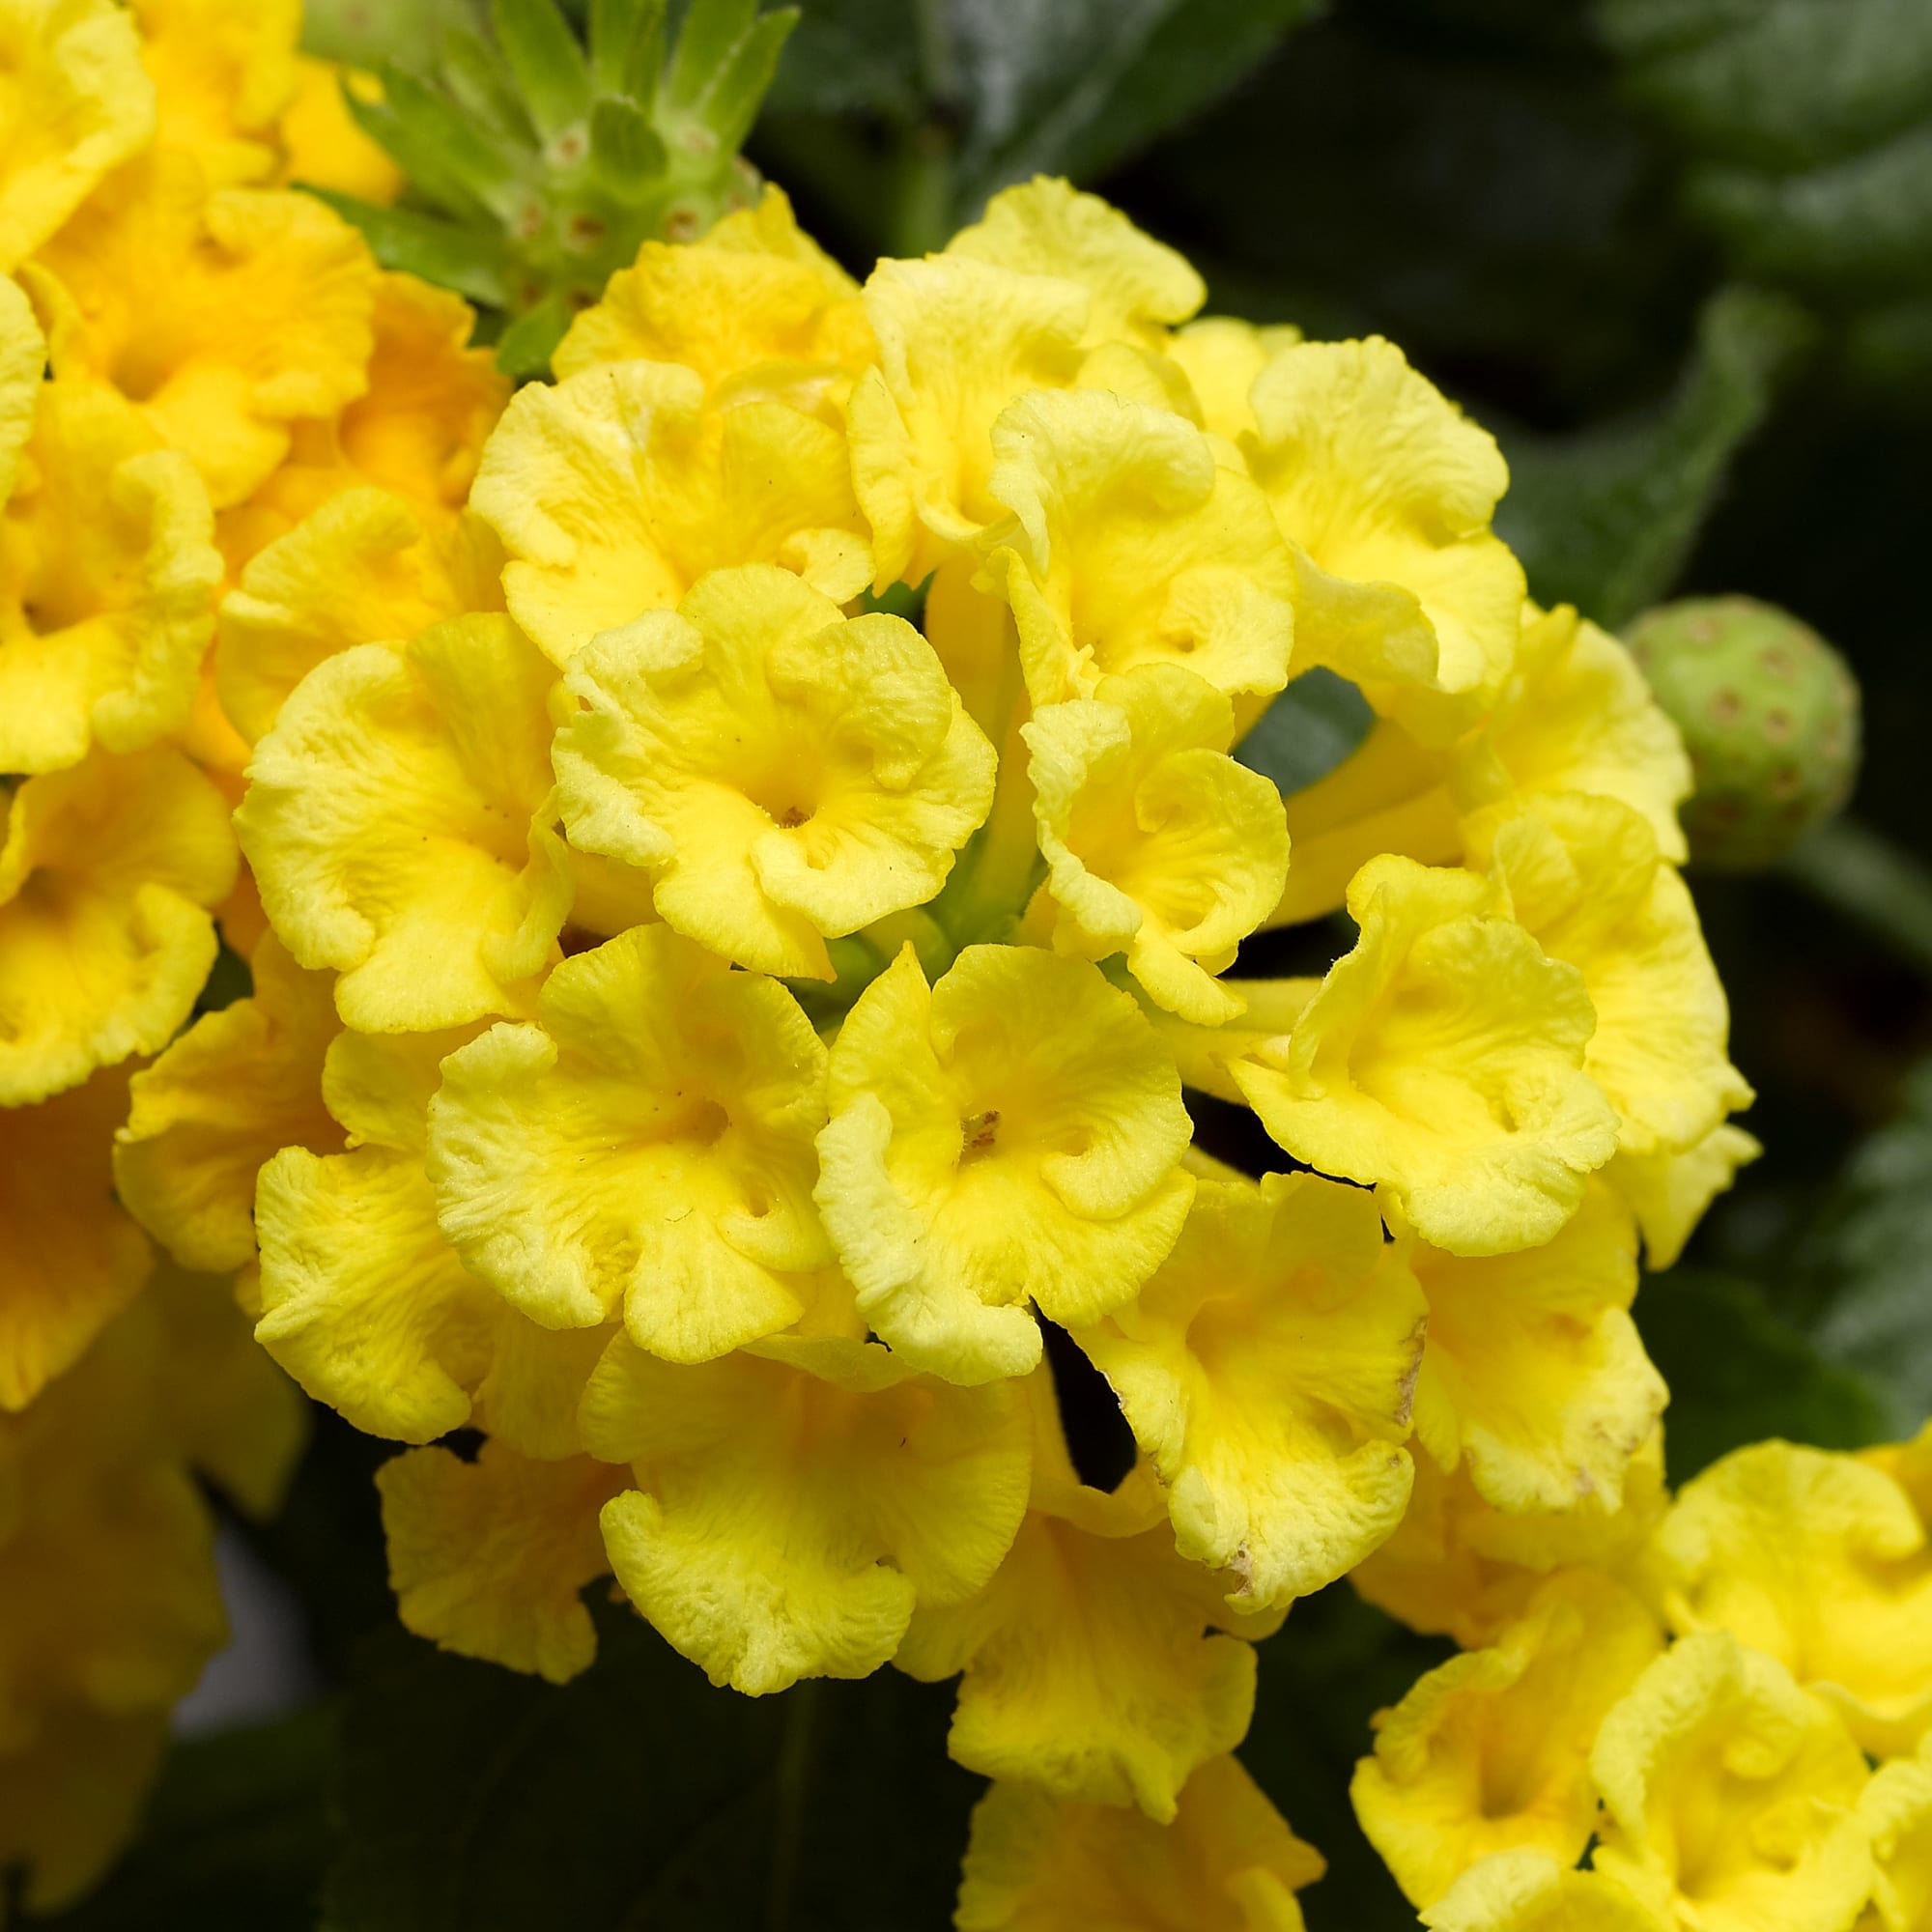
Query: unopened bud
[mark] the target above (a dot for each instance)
(1770, 715)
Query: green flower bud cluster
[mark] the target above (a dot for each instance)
(538, 163)
(1770, 715)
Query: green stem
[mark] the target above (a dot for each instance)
(793, 1778)
(1871, 880)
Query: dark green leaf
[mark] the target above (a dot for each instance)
(472, 261)
(237, 1833)
(852, 57)
(1308, 730)
(478, 1801)
(547, 60)
(1738, 1374)
(1604, 520)
(525, 347)
(1874, 1255)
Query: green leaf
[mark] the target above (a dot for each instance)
(738, 91)
(472, 261)
(711, 33)
(238, 1833)
(1872, 1254)
(1307, 731)
(478, 1801)
(443, 136)
(626, 150)
(1604, 520)
(1738, 1374)
(419, 154)
(548, 61)
(478, 78)
(526, 346)
(626, 46)
(365, 32)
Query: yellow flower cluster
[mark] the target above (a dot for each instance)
(710, 1020)
(192, 357)
(1699, 1703)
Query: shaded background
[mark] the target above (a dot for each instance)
(1678, 254)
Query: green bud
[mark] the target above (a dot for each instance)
(1770, 715)
(538, 165)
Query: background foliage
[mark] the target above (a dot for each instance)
(1679, 254)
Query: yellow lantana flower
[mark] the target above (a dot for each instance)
(397, 820)
(783, 774)
(223, 74)
(1227, 1863)
(1584, 877)
(1822, 1562)
(1490, 1751)
(1527, 1890)
(70, 1258)
(489, 1558)
(616, 491)
(367, 1305)
(1460, 1567)
(1092, 1666)
(1133, 545)
(107, 578)
(1897, 1808)
(1158, 843)
(363, 569)
(1006, 1135)
(1534, 1370)
(791, 1504)
(226, 318)
(107, 876)
(1730, 1795)
(754, 307)
(1266, 1369)
(1443, 1059)
(74, 103)
(1384, 493)
(644, 1148)
(224, 1097)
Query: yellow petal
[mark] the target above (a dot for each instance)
(1266, 1369)
(1822, 1562)
(1584, 876)
(1089, 1667)
(234, 1090)
(788, 1512)
(225, 319)
(222, 76)
(1668, 1191)
(1046, 227)
(1897, 1808)
(615, 491)
(1443, 1058)
(1534, 1370)
(1527, 1890)
(1227, 1863)
(106, 880)
(1221, 357)
(782, 772)
(107, 578)
(645, 1147)
(323, 147)
(1010, 1134)
(488, 1559)
(1156, 842)
(1384, 493)
(958, 340)
(1458, 1566)
(23, 361)
(752, 306)
(78, 105)
(1730, 1794)
(1135, 545)
(1490, 1751)
(398, 826)
(362, 570)
(70, 1258)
